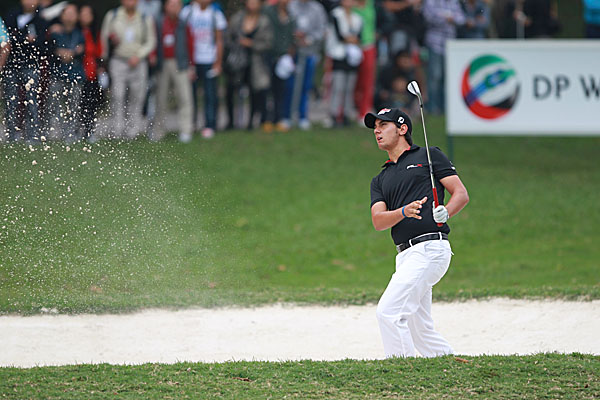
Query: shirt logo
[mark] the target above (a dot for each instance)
(383, 111)
(414, 166)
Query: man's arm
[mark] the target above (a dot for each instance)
(149, 44)
(384, 219)
(458, 192)
(432, 14)
(318, 27)
(104, 34)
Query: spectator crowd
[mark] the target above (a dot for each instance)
(62, 64)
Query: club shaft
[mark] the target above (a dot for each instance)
(427, 150)
(433, 188)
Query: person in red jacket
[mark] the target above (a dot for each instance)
(91, 96)
(175, 69)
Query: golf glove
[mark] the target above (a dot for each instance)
(440, 214)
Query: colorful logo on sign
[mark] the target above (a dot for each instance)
(490, 87)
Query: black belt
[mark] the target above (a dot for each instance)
(423, 238)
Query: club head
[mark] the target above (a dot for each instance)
(413, 87)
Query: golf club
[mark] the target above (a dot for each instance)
(413, 87)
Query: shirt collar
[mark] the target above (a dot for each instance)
(123, 14)
(390, 162)
(196, 7)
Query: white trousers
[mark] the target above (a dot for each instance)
(183, 90)
(128, 84)
(404, 310)
(342, 93)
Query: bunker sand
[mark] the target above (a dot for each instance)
(286, 332)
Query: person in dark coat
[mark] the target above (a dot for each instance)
(28, 44)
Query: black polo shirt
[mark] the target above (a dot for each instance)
(407, 180)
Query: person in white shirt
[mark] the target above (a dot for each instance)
(207, 24)
(342, 45)
(128, 38)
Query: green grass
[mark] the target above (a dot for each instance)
(253, 218)
(542, 376)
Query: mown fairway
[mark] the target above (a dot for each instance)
(549, 376)
(255, 218)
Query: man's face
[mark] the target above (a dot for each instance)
(172, 7)
(204, 3)
(69, 15)
(86, 16)
(253, 5)
(404, 62)
(387, 134)
(129, 5)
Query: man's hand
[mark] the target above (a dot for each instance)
(133, 61)
(152, 59)
(412, 210)
(114, 39)
(440, 214)
(192, 73)
(65, 55)
(55, 28)
(245, 42)
(301, 39)
(217, 68)
(353, 40)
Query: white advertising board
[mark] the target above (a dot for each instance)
(523, 87)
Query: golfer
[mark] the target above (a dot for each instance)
(401, 199)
